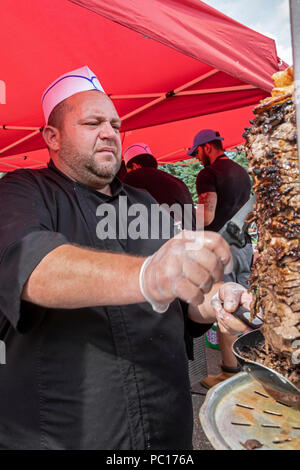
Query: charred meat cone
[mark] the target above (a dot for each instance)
(271, 146)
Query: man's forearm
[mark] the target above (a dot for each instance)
(206, 208)
(204, 313)
(75, 277)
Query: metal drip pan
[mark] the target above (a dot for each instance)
(274, 383)
(239, 410)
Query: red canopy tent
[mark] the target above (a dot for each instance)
(168, 142)
(160, 61)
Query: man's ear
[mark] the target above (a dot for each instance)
(136, 166)
(208, 148)
(52, 137)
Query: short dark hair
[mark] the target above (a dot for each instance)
(217, 144)
(58, 113)
(144, 159)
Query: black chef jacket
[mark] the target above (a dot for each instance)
(112, 377)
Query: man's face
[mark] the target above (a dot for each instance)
(90, 144)
(135, 166)
(203, 156)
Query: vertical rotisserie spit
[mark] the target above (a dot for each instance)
(271, 145)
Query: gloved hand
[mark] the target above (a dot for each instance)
(185, 267)
(229, 298)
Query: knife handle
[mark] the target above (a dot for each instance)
(243, 314)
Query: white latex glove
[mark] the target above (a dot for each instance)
(229, 298)
(185, 267)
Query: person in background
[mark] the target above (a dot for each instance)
(122, 171)
(223, 187)
(142, 172)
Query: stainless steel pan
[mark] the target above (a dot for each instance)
(276, 385)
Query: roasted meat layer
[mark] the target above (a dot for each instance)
(271, 144)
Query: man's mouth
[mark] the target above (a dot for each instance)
(106, 150)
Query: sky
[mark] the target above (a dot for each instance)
(268, 17)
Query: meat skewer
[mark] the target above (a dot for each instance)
(271, 146)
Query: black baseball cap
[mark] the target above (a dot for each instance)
(204, 136)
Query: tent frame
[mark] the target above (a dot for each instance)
(159, 97)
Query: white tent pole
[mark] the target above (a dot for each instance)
(165, 95)
(196, 80)
(16, 167)
(14, 157)
(186, 163)
(143, 108)
(216, 90)
(143, 95)
(9, 164)
(27, 137)
(181, 93)
(172, 153)
(17, 128)
(163, 162)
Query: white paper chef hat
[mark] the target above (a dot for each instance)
(78, 80)
(135, 150)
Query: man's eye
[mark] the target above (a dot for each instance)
(91, 123)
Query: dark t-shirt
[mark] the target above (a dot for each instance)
(165, 188)
(231, 183)
(112, 377)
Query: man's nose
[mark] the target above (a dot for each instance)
(106, 131)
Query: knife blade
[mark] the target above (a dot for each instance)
(232, 231)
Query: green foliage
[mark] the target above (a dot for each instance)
(189, 172)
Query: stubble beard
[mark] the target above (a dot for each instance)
(86, 169)
(205, 161)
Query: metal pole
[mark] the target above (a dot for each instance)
(295, 25)
(164, 95)
(14, 144)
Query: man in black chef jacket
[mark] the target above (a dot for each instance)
(92, 322)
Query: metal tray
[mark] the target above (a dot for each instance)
(239, 409)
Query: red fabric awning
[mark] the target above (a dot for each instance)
(168, 142)
(161, 61)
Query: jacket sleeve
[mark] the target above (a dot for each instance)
(26, 237)
(192, 330)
